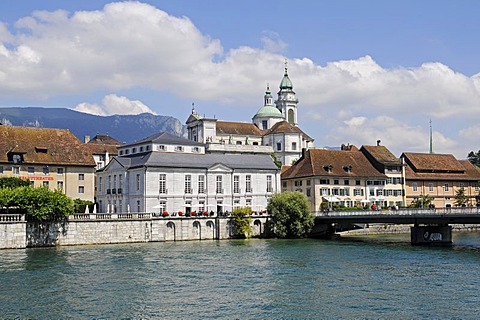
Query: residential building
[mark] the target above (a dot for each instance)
(439, 176)
(166, 173)
(52, 158)
(103, 148)
(385, 162)
(274, 128)
(343, 177)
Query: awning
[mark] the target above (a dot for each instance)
(331, 199)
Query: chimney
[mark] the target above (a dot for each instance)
(86, 139)
(378, 142)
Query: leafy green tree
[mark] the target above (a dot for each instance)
(424, 201)
(7, 197)
(474, 157)
(13, 182)
(241, 220)
(80, 205)
(39, 203)
(461, 199)
(291, 214)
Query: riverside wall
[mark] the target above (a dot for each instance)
(12, 231)
(85, 229)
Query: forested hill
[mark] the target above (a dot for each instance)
(125, 128)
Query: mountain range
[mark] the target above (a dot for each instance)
(125, 128)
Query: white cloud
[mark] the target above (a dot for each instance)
(113, 104)
(129, 45)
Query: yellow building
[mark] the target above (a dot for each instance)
(439, 176)
(52, 158)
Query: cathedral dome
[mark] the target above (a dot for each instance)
(268, 111)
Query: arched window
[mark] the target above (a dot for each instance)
(291, 116)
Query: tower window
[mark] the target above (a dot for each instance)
(264, 124)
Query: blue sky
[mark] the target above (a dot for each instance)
(362, 70)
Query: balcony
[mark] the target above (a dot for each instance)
(119, 191)
(109, 191)
(114, 191)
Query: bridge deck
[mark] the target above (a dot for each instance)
(407, 216)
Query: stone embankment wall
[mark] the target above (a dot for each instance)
(82, 229)
(12, 231)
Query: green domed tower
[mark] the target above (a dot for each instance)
(287, 101)
(267, 115)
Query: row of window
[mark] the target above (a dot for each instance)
(446, 187)
(279, 146)
(346, 182)
(359, 192)
(116, 178)
(218, 184)
(45, 170)
(141, 149)
(188, 189)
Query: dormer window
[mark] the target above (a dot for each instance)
(179, 148)
(347, 168)
(161, 148)
(328, 168)
(15, 157)
(134, 150)
(41, 150)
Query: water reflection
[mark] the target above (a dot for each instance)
(371, 277)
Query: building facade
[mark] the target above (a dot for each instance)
(51, 158)
(274, 128)
(165, 173)
(336, 177)
(385, 162)
(440, 177)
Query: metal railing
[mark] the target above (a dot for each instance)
(400, 212)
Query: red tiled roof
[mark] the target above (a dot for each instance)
(430, 162)
(382, 155)
(285, 127)
(440, 167)
(316, 161)
(104, 139)
(238, 128)
(44, 146)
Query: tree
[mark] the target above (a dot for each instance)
(241, 219)
(461, 199)
(291, 214)
(79, 205)
(13, 182)
(424, 201)
(39, 203)
(474, 157)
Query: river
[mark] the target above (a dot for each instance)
(369, 277)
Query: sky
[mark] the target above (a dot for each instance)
(362, 70)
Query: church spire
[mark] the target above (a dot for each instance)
(431, 138)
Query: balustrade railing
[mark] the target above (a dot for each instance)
(12, 217)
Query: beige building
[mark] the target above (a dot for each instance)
(439, 176)
(52, 158)
(385, 162)
(344, 177)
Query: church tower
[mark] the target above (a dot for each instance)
(287, 101)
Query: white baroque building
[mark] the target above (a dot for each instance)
(166, 173)
(274, 128)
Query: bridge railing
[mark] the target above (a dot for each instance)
(406, 211)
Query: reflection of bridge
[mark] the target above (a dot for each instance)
(429, 225)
